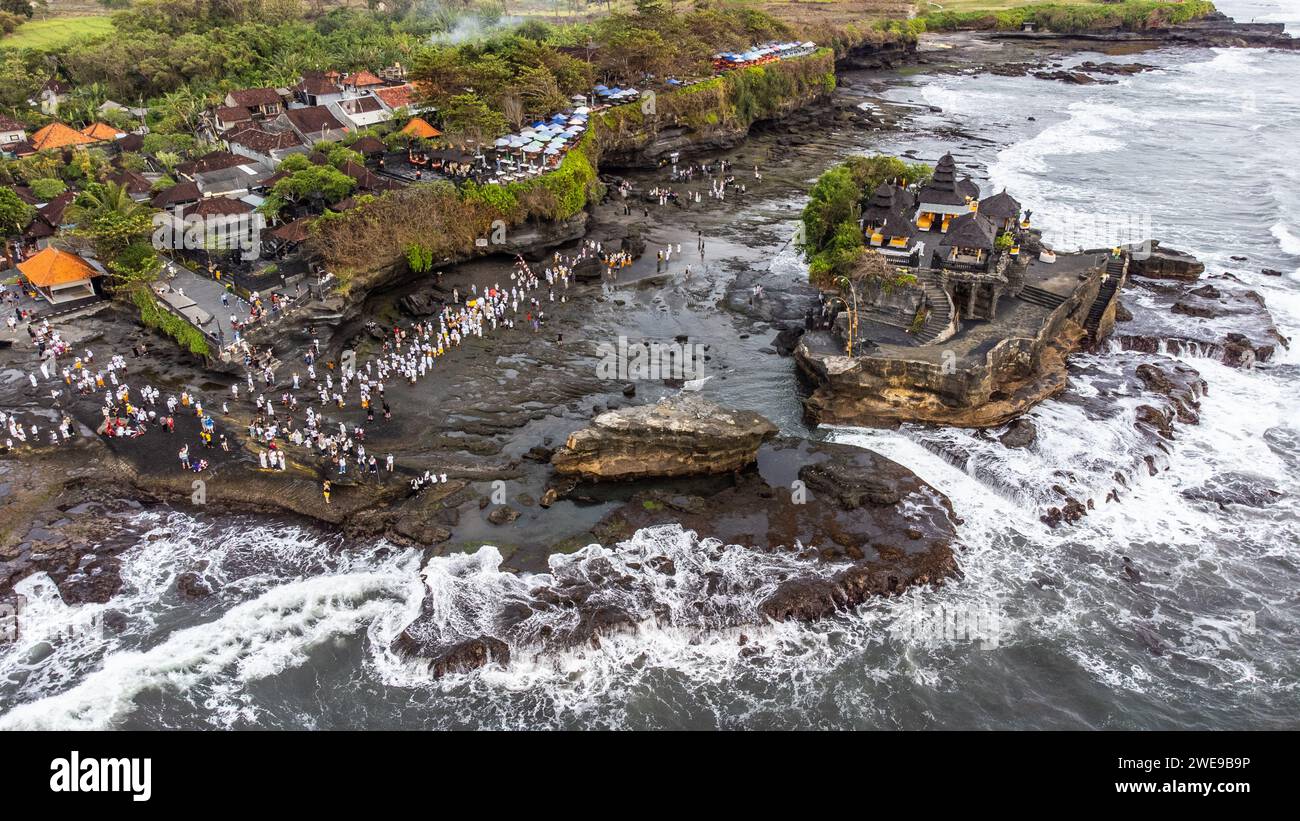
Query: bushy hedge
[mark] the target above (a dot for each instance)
(154, 315)
(731, 101)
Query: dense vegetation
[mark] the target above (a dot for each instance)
(440, 220)
(832, 238)
(733, 100)
(178, 59)
(1132, 15)
(430, 223)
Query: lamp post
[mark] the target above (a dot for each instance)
(846, 282)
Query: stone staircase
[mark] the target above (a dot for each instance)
(1037, 296)
(1115, 270)
(940, 309)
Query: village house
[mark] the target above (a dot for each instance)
(361, 82)
(12, 133)
(235, 180)
(137, 186)
(178, 195)
(226, 117)
(103, 133)
(56, 136)
(403, 96)
(318, 88)
(46, 223)
(263, 145)
(60, 277)
(53, 94)
(261, 103)
(314, 124)
(109, 106)
(359, 113)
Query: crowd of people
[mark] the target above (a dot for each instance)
(295, 414)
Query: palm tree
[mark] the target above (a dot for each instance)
(105, 214)
(182, 105)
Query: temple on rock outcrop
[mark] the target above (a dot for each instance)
(944, 196)
(972, 320)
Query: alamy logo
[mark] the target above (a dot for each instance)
(221, 232)
(128, 775)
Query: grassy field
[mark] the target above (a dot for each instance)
(988, 5)
(55, 32)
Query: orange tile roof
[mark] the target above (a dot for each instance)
(420, 128)
(52, 267)
(364, 78)
(101, 132)
(58, 135)
(396, 96)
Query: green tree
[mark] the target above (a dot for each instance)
(18, 81)
(467, 116)
(105, 214)
(324, 183)
(14, 213)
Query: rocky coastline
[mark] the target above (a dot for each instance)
(63, 506)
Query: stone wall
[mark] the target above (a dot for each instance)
(1017, 373)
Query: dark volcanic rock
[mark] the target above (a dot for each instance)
(855, 479)
(193, 585)
(461, 657)
(424, 302)
(787, 340)
(1222, 318)
(1019, 434)
(97, 581)
(1181, 384)
(1166, 263)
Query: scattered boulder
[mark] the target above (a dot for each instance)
(1166, 263)
(1019, 434)
(193, 585)
(684, 435)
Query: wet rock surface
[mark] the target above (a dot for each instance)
(1244, 489)
(1222, 318)
(1166, 263)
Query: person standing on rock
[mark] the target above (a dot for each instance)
(325, 490)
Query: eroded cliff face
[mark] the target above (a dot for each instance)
(711, 115)
(885, 392)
